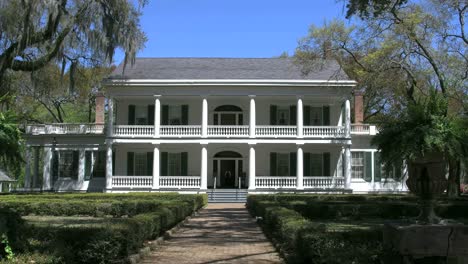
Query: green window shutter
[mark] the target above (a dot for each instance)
(131, 114)
(88, 163)
(163, 164)
(377, 166)
(184, 163)
(273, 164)
(292, 115)
(273, 119)
(149, 163)
(307, 164)
(292, 164)
(165, 115)
(113, 161)
(130, 163)
(326, 115)
(215, 120)
(306, 115)
(185, 109)
(241, 119)
(151, 115)
(55, 164)
(326, 164)
(75, 162)
(368, 166)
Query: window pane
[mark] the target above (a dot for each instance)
(357, 165)
(140, 164)
(316, 165)
(174, 164)
(283, 116)
(65, 164)
(316, 116)
(282, 164)
(175, 115)
(141, 115)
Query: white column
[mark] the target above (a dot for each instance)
(252, 168)
(299, 118)
(204, 118)
(46, 178)
(110, 116)
(347, 167)
(156, 168)
(300, 168)
(252, 120)
(27, 176)
(36, 168)
(109, 171)
(340, 118)
(347, 119)
(157, 116)
(204, 168)
(81, 167)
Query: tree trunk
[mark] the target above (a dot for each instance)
(453, 188)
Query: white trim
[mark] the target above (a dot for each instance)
(235, 82)
(234, 141)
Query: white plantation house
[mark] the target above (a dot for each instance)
(198, 124)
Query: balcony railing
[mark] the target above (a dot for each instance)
(363, 129)
(64, 128)
(325, 182)
(132, 181)
(133, 131)
(275, 182)
(324, 131)
(180, 131)
(228, 131)
(180, 182)
(276, 131)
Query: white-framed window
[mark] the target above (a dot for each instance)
(282, 114)
(141, 115)
(282, 164)
(65, 164)
(316, 116)
(316, 164)
(174, 164)
(357, 165)
(140, 164)
(175, 114)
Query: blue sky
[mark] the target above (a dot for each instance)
(230, 28)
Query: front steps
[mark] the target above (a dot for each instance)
(227, 196)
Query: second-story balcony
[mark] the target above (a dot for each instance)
(65, 129)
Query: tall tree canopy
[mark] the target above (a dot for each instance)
(34, 33)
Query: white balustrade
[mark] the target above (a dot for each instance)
(275, 182)
(180, 182)
(323, 182)
(228, 131)
(324, 131)
(133, 131)
(180, 131)
(360, 129)
(276, 131)
(132, 182)
(64, 128)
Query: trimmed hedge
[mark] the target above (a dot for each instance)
(303, 241)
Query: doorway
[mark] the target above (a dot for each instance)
(228, 170)
(228, 174)
(228, 115)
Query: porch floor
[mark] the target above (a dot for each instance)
(221, 233)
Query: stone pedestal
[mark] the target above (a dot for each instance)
(426, 243)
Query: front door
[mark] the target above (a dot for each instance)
(228, 173)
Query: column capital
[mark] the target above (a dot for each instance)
(157, 96)
(252, 95)
(299, 96)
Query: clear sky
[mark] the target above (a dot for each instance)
(230, 28)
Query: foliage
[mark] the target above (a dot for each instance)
(35, 33)
(10, 141)
(366, 8)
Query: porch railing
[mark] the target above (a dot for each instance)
(180, 131)
(275, 182)
(228, 131)
(363, 129)
(324, 131)
(180, 182)
(133, 131)
(65, 128)
(132, 181)
(275, 131)
(324, 182)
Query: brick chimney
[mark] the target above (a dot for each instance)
(100, 103)
(358, 108)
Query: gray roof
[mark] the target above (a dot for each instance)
(4, 177)
(226, 68)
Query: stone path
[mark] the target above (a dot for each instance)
(221, 233)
